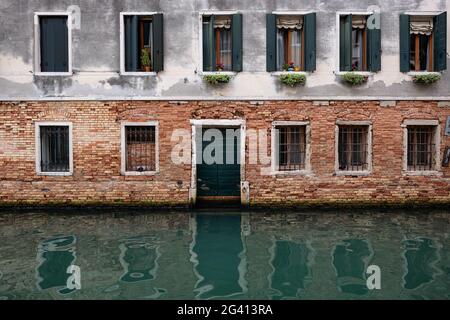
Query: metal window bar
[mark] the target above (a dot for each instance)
(140, 148)
(54, 148)
(353, 148)
(292, 148)
(421, 148)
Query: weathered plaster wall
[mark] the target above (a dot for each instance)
(96, 52)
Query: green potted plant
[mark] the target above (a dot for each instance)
(354, 79)
(145, 60)
(427, 78)
(293, 79)
(215, 79)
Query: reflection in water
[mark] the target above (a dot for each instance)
(421, 256)
(138, 256)
(218, 255)
(350, 260)
(231, 256)
(54, 256)
(291, 263)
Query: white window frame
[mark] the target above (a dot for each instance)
(437, 141)
(275, 148)
(200, 42)
(338, 43)
(123, 146)
(38, 126)
(369, 126)
(122, 44)
(37, 43)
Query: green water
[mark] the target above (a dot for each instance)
(135, 255)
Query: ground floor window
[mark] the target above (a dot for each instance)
(291, 147)
(353, 148)
(140, 151)
(53, 148)
(421, 148)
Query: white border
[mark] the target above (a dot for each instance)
(197, 125)
(37, 43)
(437, 141)
(123, 170)
(369, 148)
(275, 145)
(200, 70)
(122, 43)
(37, 134)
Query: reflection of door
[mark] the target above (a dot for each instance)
(219, 175)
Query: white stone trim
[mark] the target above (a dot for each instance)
(274, 169)
(37, 43)
(198, 124)
(437, 141)
(123, 147)
(367, 172)
(122, 42)
(37, 134)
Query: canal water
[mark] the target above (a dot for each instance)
(224, 255)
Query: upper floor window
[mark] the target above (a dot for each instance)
(222, 42)
(291, 42)
(360, 46)
(142, 42)
(423, 42)
(53, 43)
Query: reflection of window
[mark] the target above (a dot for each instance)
(421, 148)
(140, 148)
(54, 153)
(423, 45)
(142, 42)
(353, 148)
(291, 148)
(289, 43)
(222, 42)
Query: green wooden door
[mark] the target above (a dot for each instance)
(222, 177)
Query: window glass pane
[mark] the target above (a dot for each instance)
(357, 49)
(421, 148)
(54, 148)
(225, 49)
(295, 47)
(140, 148)
(291, 148)
(352, 148)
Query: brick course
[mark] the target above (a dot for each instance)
(96, 152)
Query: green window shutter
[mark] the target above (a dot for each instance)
(440, 42)
(345, 43)
(310, 42)
(405, 43)
(374, 49)
(271, 42)
(131, 43)
(236, 36)
(54, 44)
(209, 42)
(158, 42)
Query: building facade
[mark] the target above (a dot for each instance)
(292, 103)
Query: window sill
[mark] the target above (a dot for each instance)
(279, 73)
(139, 74)
(362, 73)
(60, 174)
(421, 73)
(422, 173)
(227, 73)
(53, 74)
(292, 173)
(353, 173)
(137, 173)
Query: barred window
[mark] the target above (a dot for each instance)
(54, 149)
(291, 148)
(140, 148)
(353, 148)
(421, 148)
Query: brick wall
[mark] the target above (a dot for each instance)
(96, 152)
